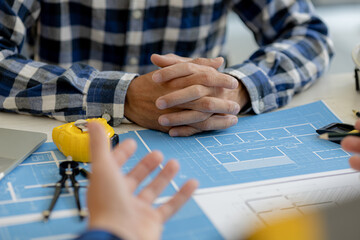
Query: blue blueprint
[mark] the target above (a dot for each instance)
(23, 198)
(267, 146)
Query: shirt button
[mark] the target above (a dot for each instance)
(106, 116)
(134, 61)
(137, 14)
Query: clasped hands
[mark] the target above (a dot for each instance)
(185, 96)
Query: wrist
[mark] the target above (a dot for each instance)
(129, 97)
(113, 227)
(244, 97)
(98, 234)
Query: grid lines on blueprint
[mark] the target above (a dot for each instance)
(267, 146)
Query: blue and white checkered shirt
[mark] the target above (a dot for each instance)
(85, 53)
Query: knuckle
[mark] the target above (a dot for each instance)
(200, 61)
(191, 67)
(206, 125)
(209, 105)
(230, 108)
(206, 78)
(197, 90)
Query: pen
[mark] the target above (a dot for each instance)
(357, 113)
(338, 136)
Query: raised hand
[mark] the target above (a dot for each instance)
(112, 204)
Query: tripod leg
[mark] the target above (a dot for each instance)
(76, 187)
(58, 187)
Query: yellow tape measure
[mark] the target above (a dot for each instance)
(72, 139)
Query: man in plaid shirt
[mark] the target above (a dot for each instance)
(155, 62)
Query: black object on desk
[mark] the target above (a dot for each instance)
(357, 73)
(336, 128)
(357, 113)
(68, 170)
(338, 136)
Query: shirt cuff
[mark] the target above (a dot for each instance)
(97, 234)
(259, 86)
(106, 96)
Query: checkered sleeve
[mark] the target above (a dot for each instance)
(32, 87)
(294, 50)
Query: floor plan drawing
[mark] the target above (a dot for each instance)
(268, 146)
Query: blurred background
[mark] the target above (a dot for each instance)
(341, 16)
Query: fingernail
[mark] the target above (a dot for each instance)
(234, 121)
(236, 108)
(156, 77)
(161, 104)
(164, 121)
(235, 83)
(173, 133)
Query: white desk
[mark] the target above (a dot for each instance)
(338, 91)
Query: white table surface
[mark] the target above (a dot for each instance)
(337, 91)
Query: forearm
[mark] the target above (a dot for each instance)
(295, 51)
(78, 92)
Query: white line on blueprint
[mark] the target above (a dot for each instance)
(251, 160)
(48, 185)
(36, 163)
(265, 130)
(312, 126)
(161, 166)
(35, 217)
(322, 158)
(239, 138)
(237, 160)
(287, 131)
(57, 237)
(280, 150)
(33, 199)
(217, 140)
(55, 158)
(12, 192)
(208, 151)
(142, 140)
(261, 134)
(39, 186)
